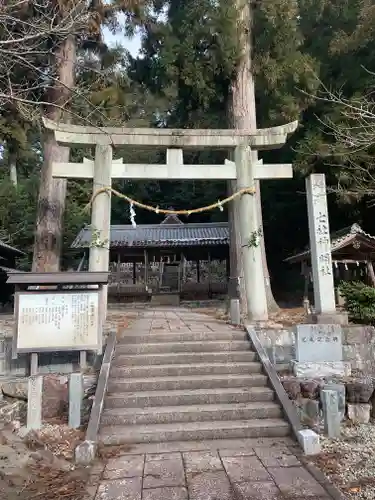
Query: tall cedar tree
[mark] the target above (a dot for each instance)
(197, 59)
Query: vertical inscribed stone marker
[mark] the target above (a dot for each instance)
(332, 419)
(34, 402)
(75, 399)
(320, 244)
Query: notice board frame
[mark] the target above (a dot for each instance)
(61, 282)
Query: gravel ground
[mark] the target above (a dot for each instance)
(350, 461)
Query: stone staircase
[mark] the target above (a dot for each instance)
(189, 386)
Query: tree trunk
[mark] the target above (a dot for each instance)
(242, 115)
(13, 169)
(272, 305)
(52, 192)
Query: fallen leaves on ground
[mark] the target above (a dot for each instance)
(61, 440)
(51, 484)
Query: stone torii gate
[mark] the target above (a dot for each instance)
(103, 169)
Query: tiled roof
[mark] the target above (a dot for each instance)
(161, 235)
(5, 246)
(339, 239)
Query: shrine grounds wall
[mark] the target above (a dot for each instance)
(358, 346)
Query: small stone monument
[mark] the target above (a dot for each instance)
(332, 417)
(319, 351)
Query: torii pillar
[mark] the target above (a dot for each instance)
(242, 141)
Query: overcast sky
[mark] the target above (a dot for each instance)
(132, 44)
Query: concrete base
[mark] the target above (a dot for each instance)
(166, 299)
(335, 318)
(309, 441)
(321, 369)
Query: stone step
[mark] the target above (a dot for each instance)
(153, 337)
(185, 358)
(177, 370)
(189, 431)
(189, 397)
(204, 413)
(239, 444)
(190, 382)
(176, 347)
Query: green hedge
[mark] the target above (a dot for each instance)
(359, 301)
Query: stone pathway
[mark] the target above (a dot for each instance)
(231, 469)
(272, 472)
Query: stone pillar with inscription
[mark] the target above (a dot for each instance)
(320, 251)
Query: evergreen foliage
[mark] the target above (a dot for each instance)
(189, 54)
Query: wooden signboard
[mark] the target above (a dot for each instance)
(57, 321)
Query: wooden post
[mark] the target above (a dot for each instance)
(209, 274)
(101, 216)
(134, 272)
(34, 368)
(82, 361)
(118, 270)
(198, 272)
(146, 269)
(370, 270)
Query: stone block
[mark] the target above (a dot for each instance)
(241, 468)
(199, 461)
(120, 489)
(340, 389)
(284, 354)
(125, 466)
(259, 490)
(171, 493)
(309, 441)
(354, 334)
(321, 369)
(281, 338)
(336, 318)
(359, 413)
(310, 389)
(359, 391)
(292, 388)
(85, 452)
(297, 482)
(162, 473)
(353, 354)
(311, 412)
(281, 354)
(209, 486)
(276, 456)
(16, 389)
(332, 418)
(11, 411)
